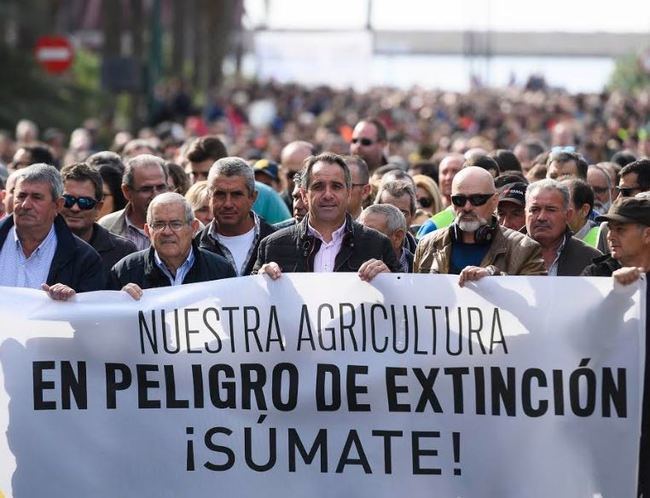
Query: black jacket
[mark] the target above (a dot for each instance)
(293, 249)
(206, 242)
(602, 266)
(575, 256)
(141, 268)
(111, 247)
(75, 263)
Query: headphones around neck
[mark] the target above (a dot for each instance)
(483, 235)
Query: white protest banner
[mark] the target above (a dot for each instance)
(325, 386)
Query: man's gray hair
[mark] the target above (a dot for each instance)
(170, 198)
(395, 219)
(233, 166)
(43, 173)
(398, 189)
(549, 184)
(141, 161)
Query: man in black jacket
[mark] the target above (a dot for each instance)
(327, 239)
(236, 231)
(628, 237)
(548, 210)
(37, 249)
(173, 258)
(82, 201)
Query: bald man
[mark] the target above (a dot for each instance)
(292, 158)
(475, 245)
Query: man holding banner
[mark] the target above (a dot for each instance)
(37, 249)
(173, 258)
(327, 239)
(475, 245)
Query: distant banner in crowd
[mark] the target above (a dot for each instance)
(325, 386)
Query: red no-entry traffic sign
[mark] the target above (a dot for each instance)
(54, 53)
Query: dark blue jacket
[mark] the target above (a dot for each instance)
(75, 263)
(141, 268)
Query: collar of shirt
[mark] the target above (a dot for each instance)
(337, 235)
(181, 271)
(552, 270)
(49, 239)
(214, 235)
(325, 258)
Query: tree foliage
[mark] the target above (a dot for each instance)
(629, 75)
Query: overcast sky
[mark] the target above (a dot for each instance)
(507, 15)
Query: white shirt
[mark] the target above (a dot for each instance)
(326, 256)
(239, 247)
(16, 270)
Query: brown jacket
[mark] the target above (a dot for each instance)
(512, 253)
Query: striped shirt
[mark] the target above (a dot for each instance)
(16, 270)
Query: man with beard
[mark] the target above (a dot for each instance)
(475, 245)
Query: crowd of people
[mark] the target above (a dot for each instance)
(280, 179)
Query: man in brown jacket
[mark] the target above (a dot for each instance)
(475, 245)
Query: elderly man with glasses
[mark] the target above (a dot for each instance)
(144, 178)
(173, 258)
(475, 245)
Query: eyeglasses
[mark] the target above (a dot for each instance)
(425, 202)
(163, 187)
(363, 141)
(84, 203)
(627, 191)
(474, 199)
(159, 226)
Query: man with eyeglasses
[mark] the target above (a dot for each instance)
(37, 249)
(548, 211)
(82, 201)
(633, 179)
(144, 178)
(369, 140)
(173, 258)
(475, 245)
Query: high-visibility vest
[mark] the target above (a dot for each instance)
(591, 239)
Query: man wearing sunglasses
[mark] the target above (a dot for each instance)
(475, 245)
(37, 249)
(369, 140)
(82, 201)
(144, 178)
(633, 179)
(173, 258)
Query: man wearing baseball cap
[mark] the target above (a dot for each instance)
(628, 238)
(512, 203)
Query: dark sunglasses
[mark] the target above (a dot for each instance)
(84, 203)
(363, 141)
(474, 199)
(425, 202)
(627, 191)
